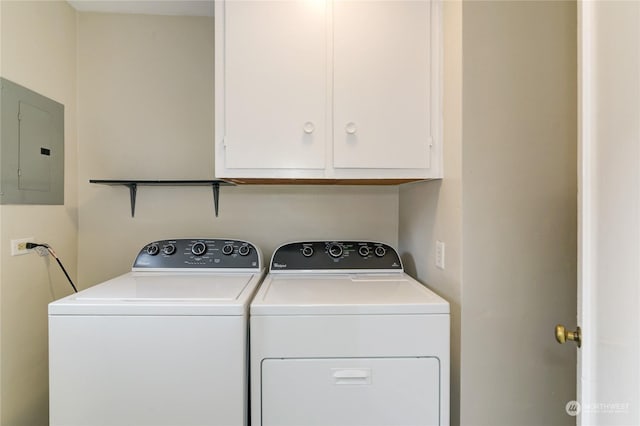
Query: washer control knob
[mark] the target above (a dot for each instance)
(364, 251)
(227, 249)
(335, 250)
(153, 249)
(307, 251)
(244, 250)
(169, 249)
(199, 248)
(380, 251)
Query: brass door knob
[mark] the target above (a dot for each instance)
(562, 335)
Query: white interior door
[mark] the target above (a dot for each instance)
(609, 258)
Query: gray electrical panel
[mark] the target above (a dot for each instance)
(31, 147)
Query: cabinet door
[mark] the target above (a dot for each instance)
(275, 84)
(382, 82)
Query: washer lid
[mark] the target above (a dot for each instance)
(345, 294)
(163, 293)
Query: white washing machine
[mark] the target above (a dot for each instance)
(163, 345)
(342, 336)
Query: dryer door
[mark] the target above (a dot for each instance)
(351, 391)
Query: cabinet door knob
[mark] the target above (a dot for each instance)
(351, 128)
(308, 127)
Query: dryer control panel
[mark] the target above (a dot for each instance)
(198, 253)
(335, 256)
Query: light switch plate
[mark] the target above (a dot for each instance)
(439, 254)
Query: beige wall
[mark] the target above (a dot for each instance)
(145, 102)
(431, 211)
(510, 227)
(38, 41)
(1, 248)
(519, 211)
(146, 111)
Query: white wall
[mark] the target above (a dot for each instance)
(146, 111)
(38, 50)
(508, 214)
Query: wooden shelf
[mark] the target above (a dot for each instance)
(133, 184)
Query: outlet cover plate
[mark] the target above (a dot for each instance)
(17, 246)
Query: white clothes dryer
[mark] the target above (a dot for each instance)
(342, 336)
(163, 345)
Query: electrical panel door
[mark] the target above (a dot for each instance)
(31, 147)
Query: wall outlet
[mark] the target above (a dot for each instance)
(19, 246)
(439, 254)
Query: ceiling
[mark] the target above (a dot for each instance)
(147, 7)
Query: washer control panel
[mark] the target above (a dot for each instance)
(335, 255)
(198, 253)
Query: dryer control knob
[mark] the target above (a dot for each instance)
(380, 251)
(199, 248)
(169, 249)
(335, 250)
(227, 249)
(307, 251)
(244, 250)
(153, 249)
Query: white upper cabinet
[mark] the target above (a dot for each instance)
(273, 60)
(381, 74)
(313, 89)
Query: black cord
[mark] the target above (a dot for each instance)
(34, 245)
(65, 273)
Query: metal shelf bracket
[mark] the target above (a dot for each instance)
(133, 190)
(216, 196)
(133, 187)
